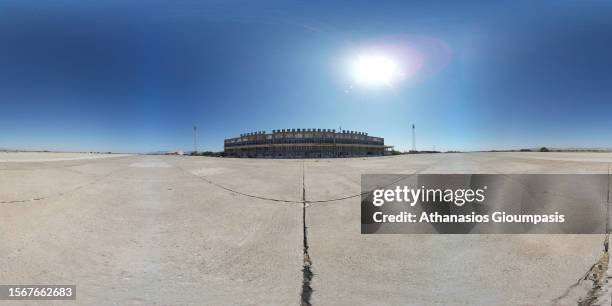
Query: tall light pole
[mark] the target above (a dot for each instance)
(195, 138)
(336, 149)
(413, 138)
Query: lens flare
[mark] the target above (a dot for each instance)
(395, 62)
(375, 70)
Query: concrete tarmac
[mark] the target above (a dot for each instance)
(175, 230)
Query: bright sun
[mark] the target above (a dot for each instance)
(375, 70)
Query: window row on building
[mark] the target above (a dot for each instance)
(305, 143)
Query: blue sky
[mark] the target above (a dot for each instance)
(135, 76)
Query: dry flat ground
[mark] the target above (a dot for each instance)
(194, 230)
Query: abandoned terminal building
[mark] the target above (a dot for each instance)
(296, 143)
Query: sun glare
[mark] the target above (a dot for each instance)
(375, 70)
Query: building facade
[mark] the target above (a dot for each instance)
(305, 143)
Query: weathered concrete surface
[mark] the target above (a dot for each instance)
(17, 157)
(195, 230)
(149, 235)
(355, 269)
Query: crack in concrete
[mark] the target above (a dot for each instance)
(96, 180)
(589, 288)
(597, 287)
(211, 182)
(307, 274)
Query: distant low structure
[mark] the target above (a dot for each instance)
(305, 143)
(178, 152)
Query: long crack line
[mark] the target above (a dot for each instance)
(307, 266)
(96, 180)
(597, 274)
